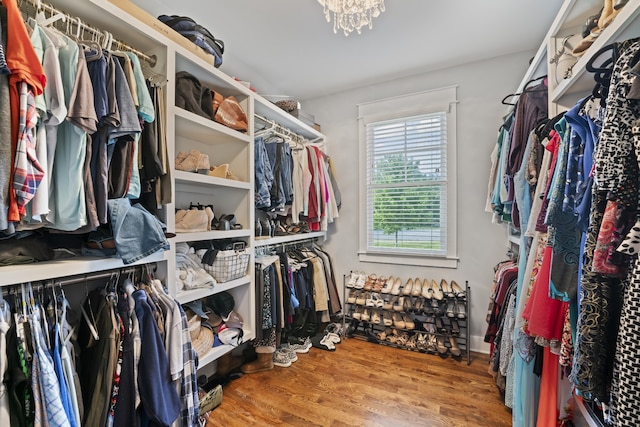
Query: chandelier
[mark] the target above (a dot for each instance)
(349, 15)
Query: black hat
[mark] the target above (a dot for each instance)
(222, 303)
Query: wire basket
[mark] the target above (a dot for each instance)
(229, 265)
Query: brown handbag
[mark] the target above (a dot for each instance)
(231, 114)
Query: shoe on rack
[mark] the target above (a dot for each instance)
(353, 278)
(386, 319)
(194, 161)
(398, 305)
(360, 280)
(408, 287)
(455, 328)
(408, 322)
(398, 321)
(457, 290)
(395, 290)
(454, 349)
(361, 298)
(442, 349)
(368, 285)
(436, 292)
(379, 284)
(421, 342)
(351, 299)
(388, 304)
(426, 289)
(460, 310)
(375, 317)
(388, 285)
(412, 342)
(358, 313)
(446, 289)
(365, 316)
(418, 306)
(407, 305)
(416, 290)
(451, 308)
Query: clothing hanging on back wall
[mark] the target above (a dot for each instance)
(573, 324)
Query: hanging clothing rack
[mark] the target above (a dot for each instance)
(101, 36)
(281, 130)
(273, 247)
(85, 277)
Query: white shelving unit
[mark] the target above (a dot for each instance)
(185, 131)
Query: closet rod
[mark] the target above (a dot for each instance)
(279, 128)
(81, 27)
(263, 250)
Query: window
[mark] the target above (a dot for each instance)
(408, 179)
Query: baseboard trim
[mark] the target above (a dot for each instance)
(478, 345)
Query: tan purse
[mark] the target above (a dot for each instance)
(231, 114)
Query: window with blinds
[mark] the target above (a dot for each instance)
(406, 190)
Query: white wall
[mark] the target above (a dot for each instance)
(481, 244)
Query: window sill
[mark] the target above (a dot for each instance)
(444, 262)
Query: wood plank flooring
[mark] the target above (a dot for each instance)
(366, 384)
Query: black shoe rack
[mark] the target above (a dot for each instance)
(436, 322)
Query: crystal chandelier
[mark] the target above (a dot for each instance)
(349, 15)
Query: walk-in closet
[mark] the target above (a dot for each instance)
(319, 213)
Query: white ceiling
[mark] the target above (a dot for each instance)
(286, 47)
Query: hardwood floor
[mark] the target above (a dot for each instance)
(366, 384)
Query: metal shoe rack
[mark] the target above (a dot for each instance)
(371, 331)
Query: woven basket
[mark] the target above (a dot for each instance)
(228, 265)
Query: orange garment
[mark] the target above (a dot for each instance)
(548, 399)
(25, 66)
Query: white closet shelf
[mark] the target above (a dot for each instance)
(23, 273)
(184, 297)
(211, 235)
(620, 29)
(192, 126)
(208, 181)
(208, 75)
(221, 350)
(290, 238)
(271, 111)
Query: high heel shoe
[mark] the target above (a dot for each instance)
(446, 289)
(398, 321)
(454, 349)
(395, 290)
(386, 319)
(408, 287)
(457, 290)
(407, 305)
(426, 289)
(398, 305)
(351, 299)
(388, 285)
(388, 304)
(361, 298)
(451, 307)
(408, 322)
(436, 291)
(416, 290)
(418, 306)
(375, 317)
(455, 328)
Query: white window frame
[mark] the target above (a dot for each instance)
(432, 101)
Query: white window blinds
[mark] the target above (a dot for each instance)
(406, 190)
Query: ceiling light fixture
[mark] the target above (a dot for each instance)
(349, 15)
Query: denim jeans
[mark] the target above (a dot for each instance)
(263, 175)
(274, 151)
(137, 233)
